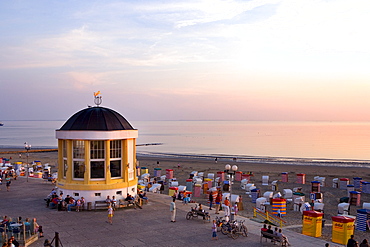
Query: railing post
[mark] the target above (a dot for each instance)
(56, 239)
(24, 232)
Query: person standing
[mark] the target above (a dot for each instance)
(38, 228)
(235, 208)
(173, 210)
(175, 194)
(8, 182)
(214, 230)
(351, 242)
(226, 207)
(210, 200)
(218, 201)
(78, 205)
(110, 214)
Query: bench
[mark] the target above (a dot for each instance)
(101, 205)
(275, 239)
(135, 202)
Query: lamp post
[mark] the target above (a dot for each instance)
(27, 147)
(231, 170)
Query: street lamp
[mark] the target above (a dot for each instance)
(231, 170)
(27, 147)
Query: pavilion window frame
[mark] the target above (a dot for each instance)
(115, 155)
(97, 155)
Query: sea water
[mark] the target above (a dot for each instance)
(317, 142)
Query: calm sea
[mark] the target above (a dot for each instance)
(329, 142)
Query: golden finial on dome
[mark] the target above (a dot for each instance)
(97, 99)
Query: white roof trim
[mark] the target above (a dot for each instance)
(96, 135)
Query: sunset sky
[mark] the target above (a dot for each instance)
(186, 60)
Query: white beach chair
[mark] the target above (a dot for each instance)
(298, 203)
(343, 208)
(366, 205)
(260, 204)
(155, 188)
(288, 194)
(243, 184)
(265, 180)
(268, 195)
(318, 206)
(305, 207)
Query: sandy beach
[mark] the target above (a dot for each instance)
(187, 165)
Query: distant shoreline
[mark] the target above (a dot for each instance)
(224, 158)
(12, 151)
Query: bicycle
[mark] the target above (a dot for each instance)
(226, 227)
(219, 223)
(194, 213)
(238, 228)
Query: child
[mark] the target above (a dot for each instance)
(214, 230)
(78, 205)
(236, 209)
(41, 233)
(110, 214)
(38, 228)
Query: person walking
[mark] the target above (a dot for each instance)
(110, 214)
(173, 210)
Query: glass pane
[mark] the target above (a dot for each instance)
(78, 169)
(97, 169)
(115, 168)
(65, 166)
(115, 149)
(78, 149)
(97, 150)
(64, 148)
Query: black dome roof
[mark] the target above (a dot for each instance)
(97, 118)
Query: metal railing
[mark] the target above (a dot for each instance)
(269, 217)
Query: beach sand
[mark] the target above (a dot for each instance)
(293, 218)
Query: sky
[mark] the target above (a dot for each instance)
(288, 60)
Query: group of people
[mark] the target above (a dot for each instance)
(277, 233)
(112, 202)
(70, 202)
(353, 243)
(8, 223)
(67, 203)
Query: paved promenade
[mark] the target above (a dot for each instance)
(149, 226)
